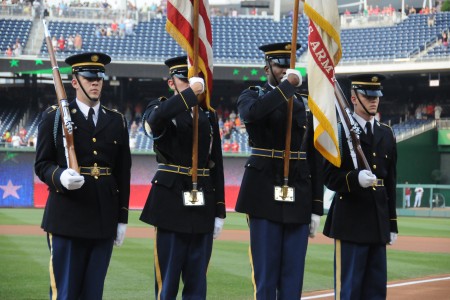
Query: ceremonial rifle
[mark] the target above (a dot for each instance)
(67, 124)
(352, 131)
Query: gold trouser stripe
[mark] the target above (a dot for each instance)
(157, 269)
(251, 260)
(338, 269)
(253, 271)
(52, 274)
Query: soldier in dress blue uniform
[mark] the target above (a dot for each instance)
(184, 230)
(279, 229)
(87, 209)
(362, 217)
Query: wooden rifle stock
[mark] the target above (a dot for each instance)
(63, 104)
(348, 121)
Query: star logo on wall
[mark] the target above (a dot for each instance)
(10, 156)
(10, 190)
(39, 62)
(14, 63)
(235, 72)
(254, 72)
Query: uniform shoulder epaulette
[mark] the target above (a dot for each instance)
(388, 128)
(386, 125)
(52, 108)
(113, 110)
(117, 112)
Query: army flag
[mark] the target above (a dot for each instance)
(324, 53)
(180, 25)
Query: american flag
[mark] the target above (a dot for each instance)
(180, 19)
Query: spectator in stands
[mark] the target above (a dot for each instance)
(55, 43)
(279, 226)
(61, 43)
(98, 31)
(407, 196)
(46, 13)
(431, 19)
(9, 51)
(186, 224)
(121, 29)
(133, 129)
(129, 26)
(412, 10)
(78, 42)
(418, 112)
(7, 137)
(419, 193)
(70, 43)
(17, 48)
(437, 112)
(114, 28)
(32, 141)
(360, 251)
(444, 38)
(87, 209)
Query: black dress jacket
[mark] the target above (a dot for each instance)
(94, 210)
(171, 121)
(364, 215)
(264, 112)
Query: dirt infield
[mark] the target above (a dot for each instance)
(406, 243)
(417, 289)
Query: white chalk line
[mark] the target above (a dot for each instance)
(388, 286)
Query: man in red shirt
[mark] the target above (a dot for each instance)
(407, 196)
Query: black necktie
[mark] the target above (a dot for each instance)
(369, 132)
(91, 118)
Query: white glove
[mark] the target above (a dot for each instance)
(121, 229)
(366, 178)
(315, 223)
(294, 72)
(71, 180)
(393, 238)
(218, 225)
(200, 80)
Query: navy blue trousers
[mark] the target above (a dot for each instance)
(360, 271)
(182, 255)
(277, 255)
(78, 267)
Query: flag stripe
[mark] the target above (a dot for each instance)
(179, 26)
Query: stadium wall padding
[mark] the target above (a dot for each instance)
(20, 187)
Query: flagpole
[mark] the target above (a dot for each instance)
(195, 108)
(287, 148)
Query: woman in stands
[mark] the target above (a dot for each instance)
(444, 38)
(8, 51)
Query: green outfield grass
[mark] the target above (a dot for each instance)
(24, 261)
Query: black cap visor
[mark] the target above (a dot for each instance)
(370, 93)
(182, 74)
(282, 61)
(91, 74)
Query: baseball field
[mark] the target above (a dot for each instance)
(418, 264)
